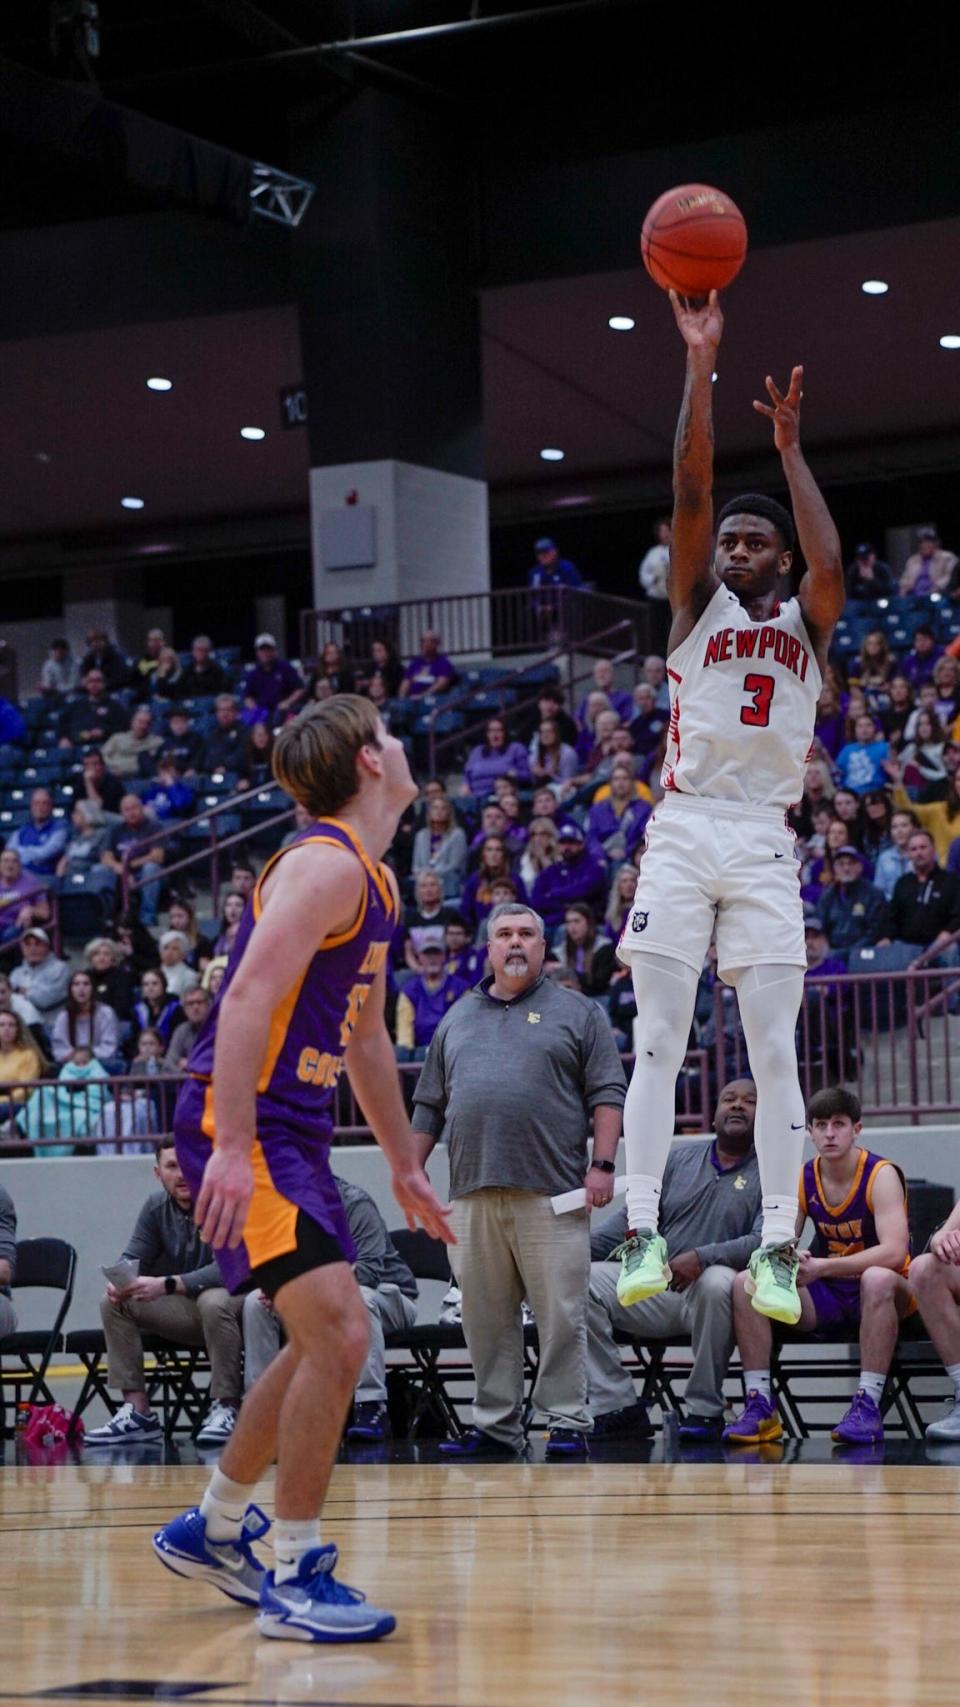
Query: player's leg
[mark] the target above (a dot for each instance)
(759, 1420)
(884, 1300)
(936, 1287)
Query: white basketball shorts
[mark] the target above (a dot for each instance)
(713, 864)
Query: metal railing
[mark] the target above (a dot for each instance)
(119, 1111)
(211, 817)
(512, 619)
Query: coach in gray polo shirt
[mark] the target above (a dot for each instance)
(511, 1079)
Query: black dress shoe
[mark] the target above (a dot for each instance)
(476, 1443)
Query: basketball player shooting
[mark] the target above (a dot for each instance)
(745, 665)
(303, 998)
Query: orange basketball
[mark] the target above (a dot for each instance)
(694, 240)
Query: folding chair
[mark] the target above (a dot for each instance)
(52, 1265)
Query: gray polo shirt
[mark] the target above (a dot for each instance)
(167, 1241)
(704, 1208)
(509, 1088)
(8, 1234)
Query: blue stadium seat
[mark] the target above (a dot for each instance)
(10, 820)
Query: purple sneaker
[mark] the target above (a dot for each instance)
(862, 1425)
(759, 1421)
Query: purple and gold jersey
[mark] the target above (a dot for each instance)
(310, 1030)
(842, 1229)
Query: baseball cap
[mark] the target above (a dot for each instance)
(569, 832)
(264, 640)
(812, 922)
(545, 545)
(927, 533)
(41, 935)
(865, 549)
(850, 851)
(432, 948)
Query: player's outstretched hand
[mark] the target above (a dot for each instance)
(221, 1208)
(700, 327)
(785, 411)
(422, 1207)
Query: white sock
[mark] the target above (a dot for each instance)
(953, 1371)
(779, 1220)
(873, 1383)
(643, 1202)
(758, 1381)
(223, 1507)
(292, 1537)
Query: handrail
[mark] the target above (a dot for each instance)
(131, 884)
(109, 1098)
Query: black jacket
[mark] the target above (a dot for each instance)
(918, 912)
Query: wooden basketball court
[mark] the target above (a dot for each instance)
(533, 1585)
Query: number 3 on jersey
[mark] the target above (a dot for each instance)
(760, 689)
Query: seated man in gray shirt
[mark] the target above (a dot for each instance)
(389, 1291)
(710, 1217)
(8, 1262)
(179, 1295)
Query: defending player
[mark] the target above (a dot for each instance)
(745, 663)
(303, 997)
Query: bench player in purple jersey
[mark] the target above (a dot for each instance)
(302, 1000)
(853, 1277)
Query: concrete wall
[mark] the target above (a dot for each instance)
(93, 1202)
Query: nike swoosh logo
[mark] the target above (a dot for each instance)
(778, 856)
(796, 1128)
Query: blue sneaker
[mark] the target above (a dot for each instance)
(314, 1607)
(566, 1443)
(231, 1566)
(705, 1429)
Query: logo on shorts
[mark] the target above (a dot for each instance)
(638, 921)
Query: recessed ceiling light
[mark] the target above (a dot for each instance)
(132, 503)
(874, 287)
(621, 323)
(42, 456)
(551, 454)
(252, 433)
(950, 341)
(158, 384)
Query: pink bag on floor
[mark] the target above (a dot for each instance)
(51, 1425)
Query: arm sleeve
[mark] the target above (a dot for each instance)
(430, 1096)
(733, 1253)
(603, 1077)
(106, 1041)
(202, 1279)
(60, 1040)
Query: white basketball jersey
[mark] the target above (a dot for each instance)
(743, 699)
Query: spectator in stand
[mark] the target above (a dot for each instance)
(551, 759)
(23, 897)
(441, 846)
(946, 678)
(817, 792)
(922, 758)
(513, 811)
(623, 888)
(494, 757)
(333, 669)
(583, 950)
(424, 1000)
(821, 962)
(821, 872)
(930, 568)
(183, 742)
(875, 667)
(137, 946)
(148, 1062)
(860, 763)
(41, 841)
(425, 921)
(13, 729)
(853, 911)
(182, 917)
(926, 700)
(924, 910)
(85, 1024)
(10, 1002)
(429, 672)
(165, 683)
(128, 843)
(243, 878)
(41, 977)
(123, 753)
(868, 577)
(302, 818)
(655, 672)
(225, 748)
(196, 1004)
(203, 677)
(102, 656)
(214, 975)
(876, 835)
(81, 856)
(897, 714)
(168, 796)
(60, 672)
(113, 980)
(550, 707)
(180, 976)
(951, 765)
(146, 664)
(477, 900)
(647, 724)
(655, 566)
(260, 756)
(618, 698)
(93, 718)
(21, 1063)
(462, 959)
(550, 569)
(830, 726)
(619, 759)
(918, 664)
(156, 1008)
(540, 851)
(619, 821)
(102, 792)
(320, 688)
(179, 1296)
(939, 817)
(384, 667)
(234, 905)
(894, 861)
(578, 875)
(597, 744)
(272, 688)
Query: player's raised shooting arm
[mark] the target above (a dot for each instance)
(692, 580)
(823, 591)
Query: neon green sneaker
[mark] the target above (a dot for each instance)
(771, 1283)
(644, 1269)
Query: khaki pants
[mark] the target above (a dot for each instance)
(512, 1246)
(211, 1320)
(704, 1311)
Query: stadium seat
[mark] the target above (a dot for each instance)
(50, 1264)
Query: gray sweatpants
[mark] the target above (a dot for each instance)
(389, 1309)
(704, 1311)
(512, 1246)
(8, 1317)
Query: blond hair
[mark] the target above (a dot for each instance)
(315, 756)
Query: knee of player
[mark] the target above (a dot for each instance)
(926, 1272)
(877, 1285)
